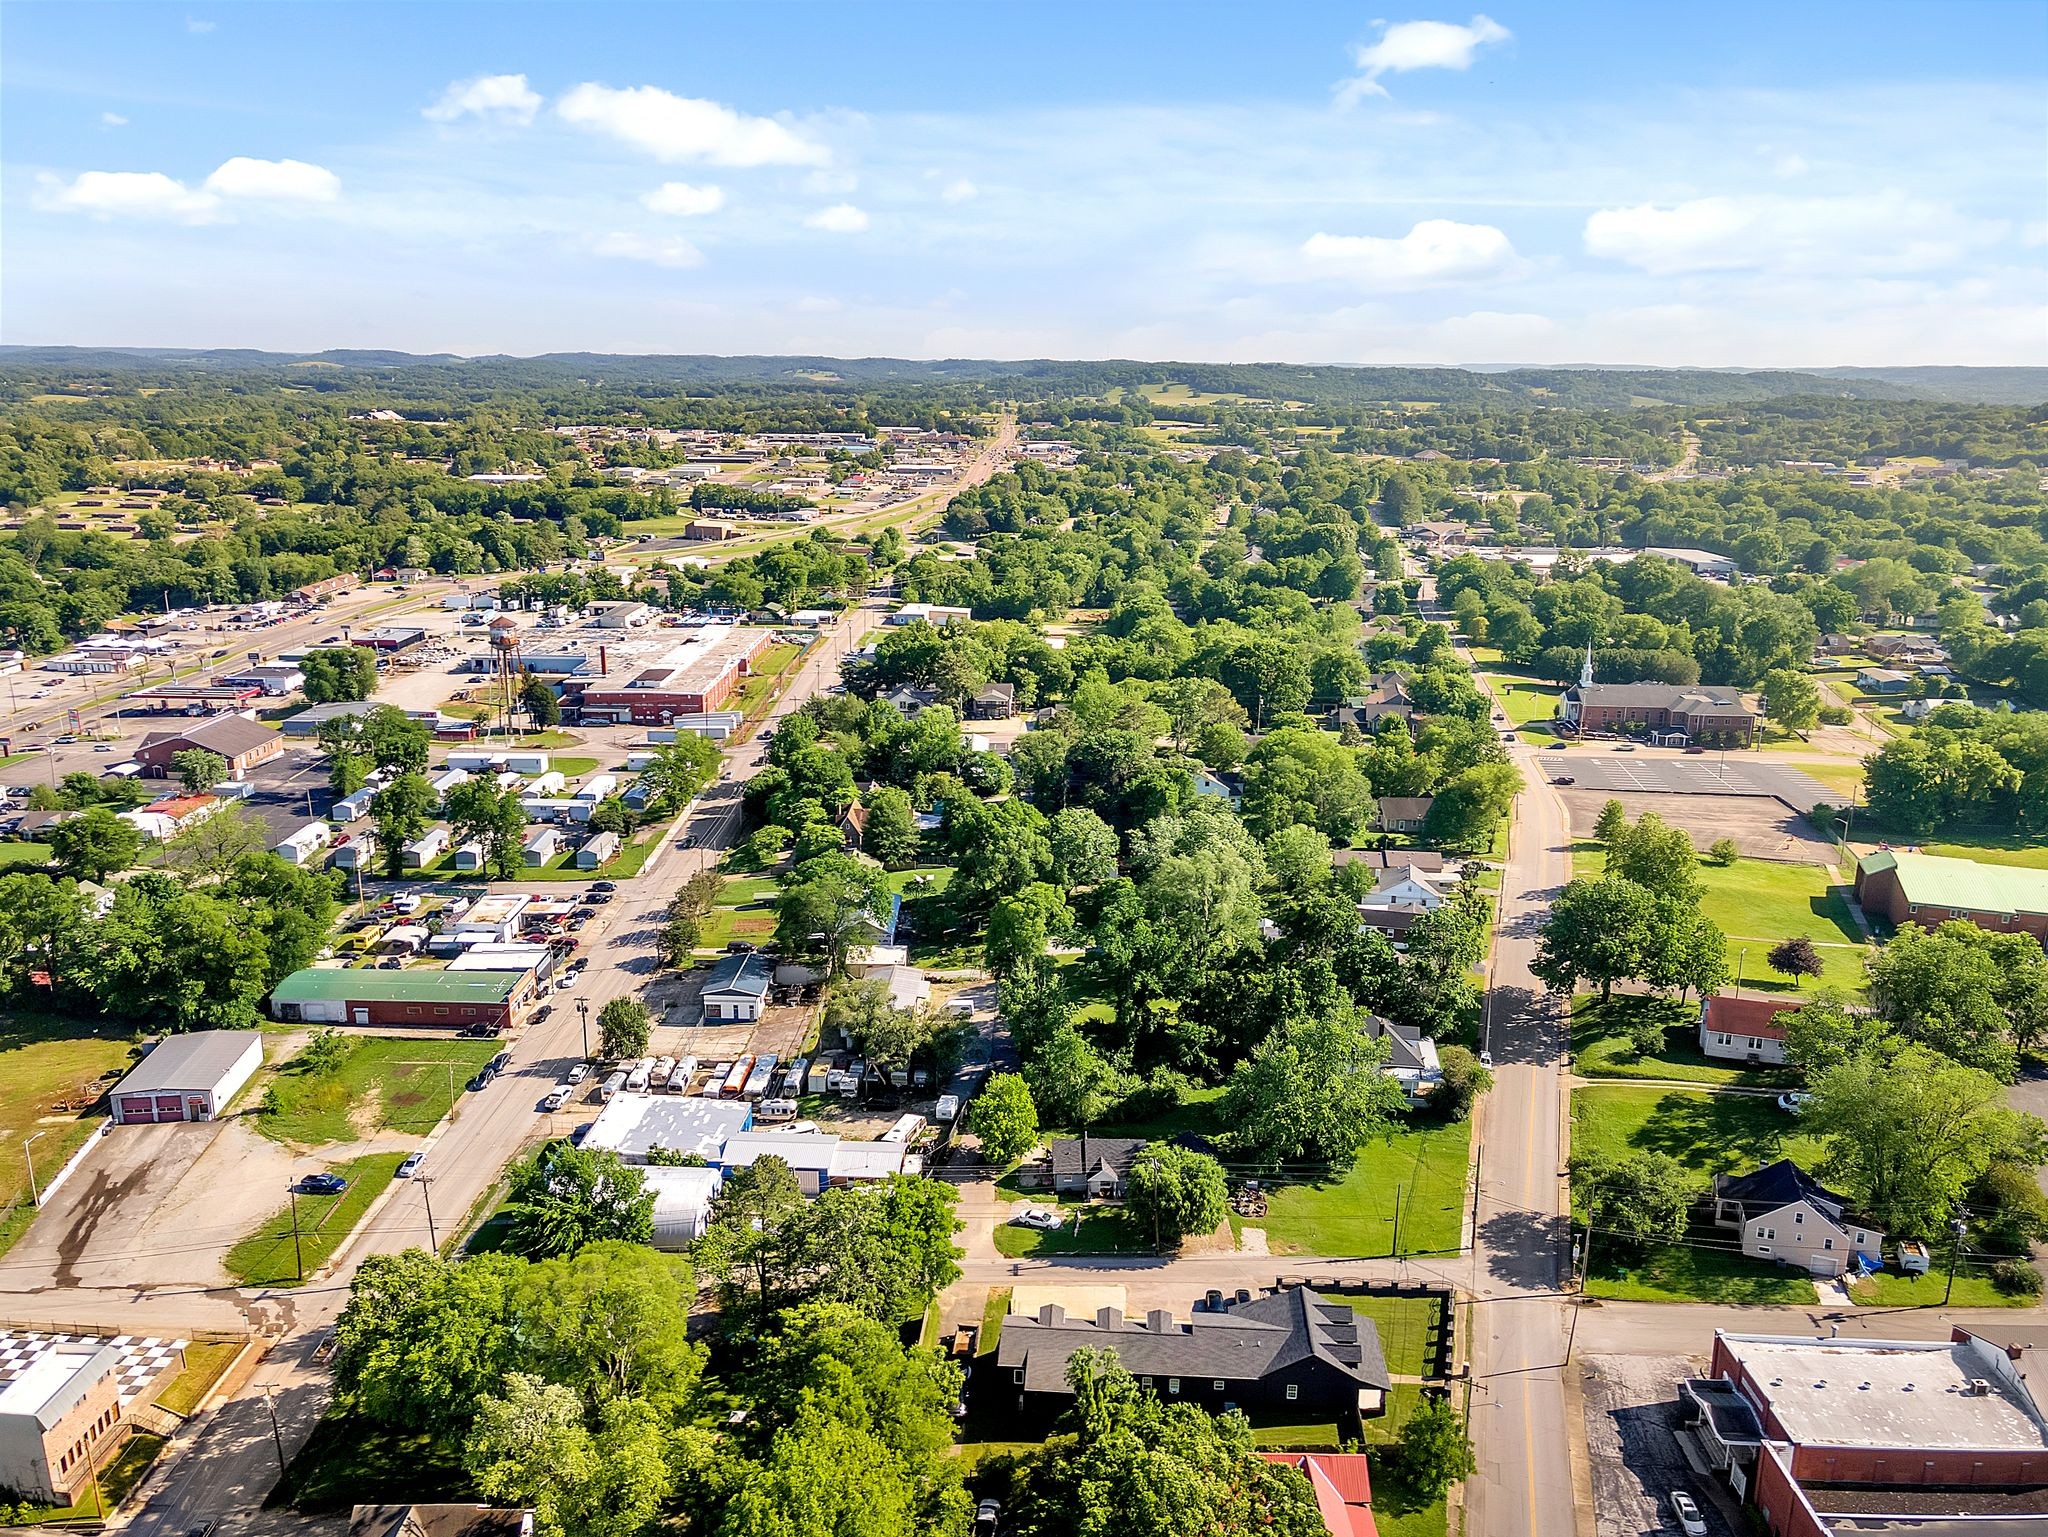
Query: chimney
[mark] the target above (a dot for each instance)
(1109, 1318)
(603, 660)
(1160, 1320)
(1052, 1315)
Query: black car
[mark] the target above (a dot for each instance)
(499, 1063)
(598, 898)
(322, 1184)
(481, 1081)
(740, 947)
(604, 886)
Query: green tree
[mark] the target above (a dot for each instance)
(198, 770)
(1597, 931)
(1175, 1192)
(339, 674)
(1435, 1450)
(1971, 995)
(561, 1198)
(1464, 1080)
(422, 1339)
(680, 772)
(755, 1248)
(537, 702)
(1069, 1080)
(1003, 1119)
(1313, 1089)
(1471, 804)
(1302, 775)
(481, 813)
(891, 836)
(1657, 857)
(1791, 700)
(610, 1321)
(93, 844)
(1021, 927)
(399, 812)
(214, 845)
(1637, 1197)
(827, 908)
(1908, 1132)
(1613, 822)
(624, 1027)
(529, 1447)
(1083, 847)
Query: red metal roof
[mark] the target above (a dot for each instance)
(1342, 1485)
(1757, 1017)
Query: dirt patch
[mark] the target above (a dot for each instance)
(1762, 828)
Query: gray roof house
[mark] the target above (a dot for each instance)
(737, 987)
(1290, 1349)
(1097, 1166)
(1786, 1215)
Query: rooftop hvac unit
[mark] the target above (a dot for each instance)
(1977, 1387)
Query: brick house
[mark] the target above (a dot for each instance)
(358, 995)
(1929, 890)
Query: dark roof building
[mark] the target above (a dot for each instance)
(1404, 813)
(1685, 713)
(993, 701)
(438, 1521)
(1099, 1166)
(1290, 1348)
(243, 742)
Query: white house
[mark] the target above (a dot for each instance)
(542, 846)
(1737, 1029)
(1786, 1215)
(601, 847)
(1411, 1057)
(303, 844)
(737, 988)
(1209, 785)
(1409, 888)
(426, 848)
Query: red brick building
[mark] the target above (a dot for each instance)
(1831, 1436)
(243, 742)
(697, 676)
(1926, 889)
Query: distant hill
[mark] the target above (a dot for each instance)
(1600, 388)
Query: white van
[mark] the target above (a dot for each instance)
(642, 1071)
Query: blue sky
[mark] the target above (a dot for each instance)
(1751, 185)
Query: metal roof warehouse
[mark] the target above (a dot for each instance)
(413, 996)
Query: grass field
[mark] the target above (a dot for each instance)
(1086, 1230)
(44, 1063)
(1409, 1328)
(24, 855)
(1757, 903)
(761, 681)
(1890, 1289)
(1708, 1133)
(1530, 706)
(205, 1360)
(1990, 849)
(572, 767)
(267, 1257)
(1681, 1273)
(380, 1085)
(1601, 1046)
(1355, 1215)
(745, 910)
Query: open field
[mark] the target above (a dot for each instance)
(1355, 1215)
(1682, 1273)
(379, 1085)
(1708, 1133)
(1409, 1328)
(205, 1360)
(1762, 828)
(1085, 1230)
(1991, 849)
(1973, 1289)
(268, 1256)
(745, 910)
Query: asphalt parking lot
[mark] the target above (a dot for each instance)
(1631, 1409)
(1705, 775)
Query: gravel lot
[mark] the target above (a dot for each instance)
(1761, 827)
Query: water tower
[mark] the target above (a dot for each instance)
(506, 667)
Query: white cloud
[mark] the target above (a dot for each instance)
(129, 195)
(683, 200)
(194, 24)
(671, 127)
(494, 98)
(113, 120)
(1789, 166)
(661, 250)
(959, 191)
(290, 180)
(839, 219)
(1434, 251)
(1883, 231)
(1406, 45)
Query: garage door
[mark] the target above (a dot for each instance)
(137, 1107)
(170, 1107)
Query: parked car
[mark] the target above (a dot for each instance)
(1794, 1101)
(1036, 1217)
(1690, 1521)
(1555, 747)
(740, 947)
(1563, 779)
(604, 886)
(987, 1516)
(411, 1167)
(322, 1184)
(1486, 1059)
(578, 1073)
(1626, 747)
(566, 981)
(689, 841)
(557, 1097)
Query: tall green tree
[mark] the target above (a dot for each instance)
(339, 674)
(1174, 1192)
(1003, 1119)
(561, 1198)
(399, 812)
(198, 770)
(93, 844)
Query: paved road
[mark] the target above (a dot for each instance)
(233, 1463)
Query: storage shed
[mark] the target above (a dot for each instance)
(597, 851)
(188, 1077)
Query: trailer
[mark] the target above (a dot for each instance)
(637, 1078)
(905, 1130)
(736, 1081)
(714, 1081)
(794, 1079)
(664, 1068)
(685, 1074)
(611, 1086)
(761, 1077)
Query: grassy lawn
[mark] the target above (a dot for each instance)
(1682, 1273)
(1197, 1115)
(24, 856)
(563, 866)
(46, 1063)
(1990, 849)
(1708, 1133)
(380, 1085)
(1409, 1328)
(1090, 1230)
(266, 1256)
(116, 1479)
(1528, 706)
(1355, 1214)
(205, 1360)
(1601, 1046)
(348, 1461)
(993, 1312)
(571, 767)
(761, 681)
(745, 910)
(1890, 1289)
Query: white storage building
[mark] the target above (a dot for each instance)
(188, 1077)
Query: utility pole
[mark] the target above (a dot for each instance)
(583, 1013)
(1397, 1222)
(1955, 1254)
(427, 1195)
(276, 1435)
(1585, 1268)
(1478, 1157)
(298, 1254)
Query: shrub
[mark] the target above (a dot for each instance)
(1723, 852)
(1836, 715)
(1646, 1033)
(2016, 1278)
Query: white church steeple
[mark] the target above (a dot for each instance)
(1586, 672)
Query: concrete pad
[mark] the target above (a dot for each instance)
(1762, 827)
(1080, 1301)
